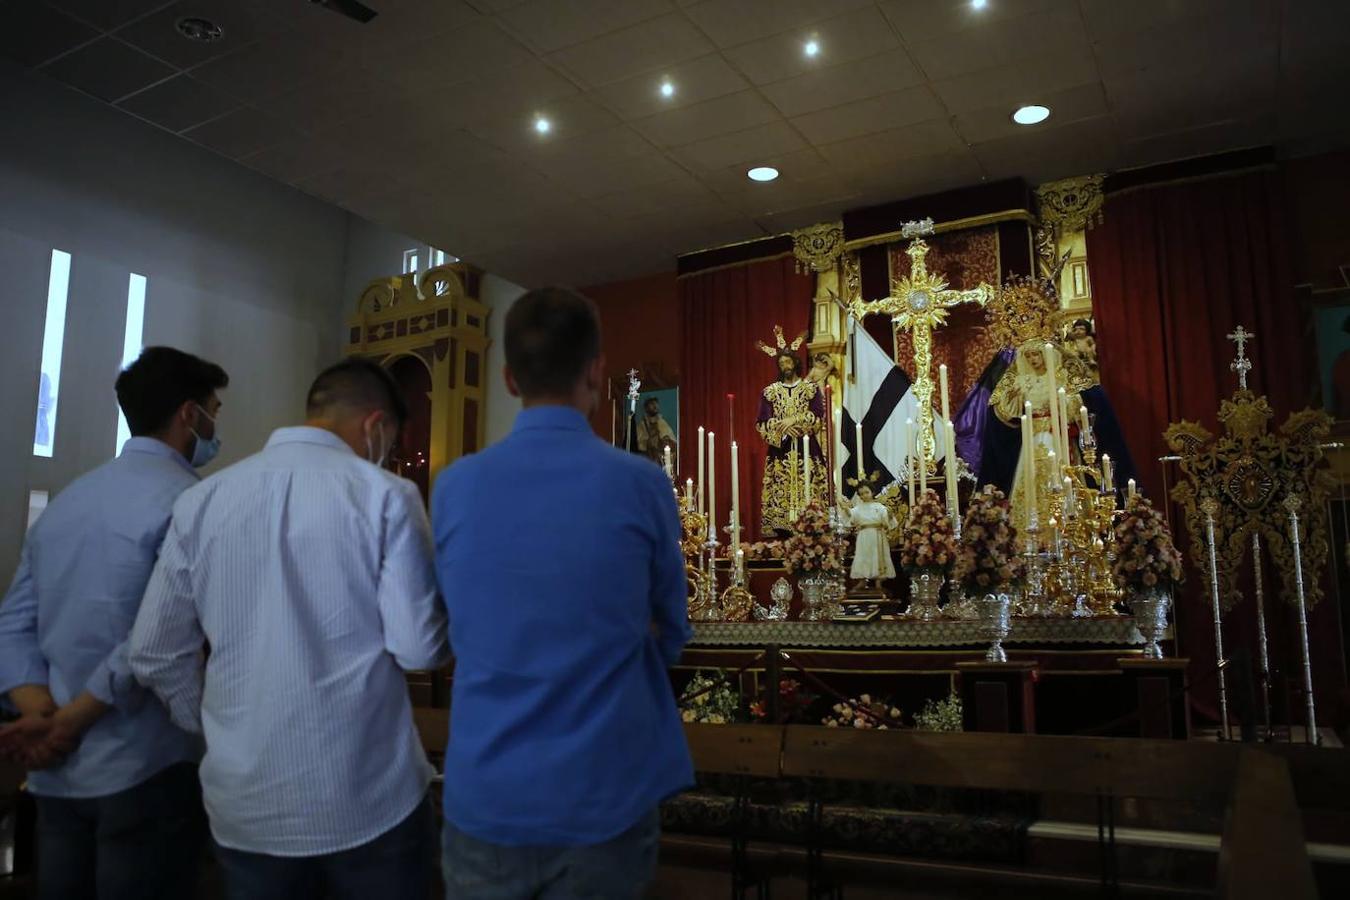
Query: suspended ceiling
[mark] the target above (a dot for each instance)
(423, 120)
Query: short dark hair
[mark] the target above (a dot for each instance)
(551, 335)
(356, 385)
(162, 379)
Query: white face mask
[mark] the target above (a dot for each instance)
(205, 450)
(371, 456)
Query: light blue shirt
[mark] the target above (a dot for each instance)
(66, 618)
(560, 564)
(309, 573)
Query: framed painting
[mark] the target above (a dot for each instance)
(1331, 326)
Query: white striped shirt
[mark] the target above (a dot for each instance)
(308, 571)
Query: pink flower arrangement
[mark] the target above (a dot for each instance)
(1146, 557)
(989, 560)
(813, 546)
(864, 712)
(927, 540)
(757, 550)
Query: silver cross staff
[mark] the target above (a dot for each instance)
(1242, 365)
(633, 385)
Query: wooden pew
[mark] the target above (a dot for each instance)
(1262, 853)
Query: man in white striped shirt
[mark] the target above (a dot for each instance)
(307, 570)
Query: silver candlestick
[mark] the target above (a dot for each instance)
(1263, 645)
(1209, 506)
(1293, 503)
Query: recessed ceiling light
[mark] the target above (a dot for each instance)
(762, 173)
(197, 29)
(667, 89)
(811, 48)
(978, 4)
(1031, 115)
(542, 125)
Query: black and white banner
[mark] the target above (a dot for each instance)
(877, 395)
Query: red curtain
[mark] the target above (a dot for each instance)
(724, 312)
(1175, 268)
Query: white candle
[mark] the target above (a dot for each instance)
(712, 486)
(942, 380)
(1064, 455)
(858, 452)
(806, 469)
(909, 456)
(740, 561)
(1029, 463)
(1131, 489)
(1107, 485)
(689, 491)
(836, 438)
(701, 467)
(1087, 424)
(1070, 501)
(1051, 373)
(953, 498)
(735, 495)
(670, 471)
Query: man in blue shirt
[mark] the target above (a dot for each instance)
(119, 806)
(558, 558)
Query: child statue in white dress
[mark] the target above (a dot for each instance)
(872, 552)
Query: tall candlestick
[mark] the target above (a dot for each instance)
(1132, 489)
(1064, 455)
(1086, 422)
(838, 459)
(670, 471)
(953, 499)
(701, 467)
(1052, 374)
(858, 452)
(923, 469)
(942, 381)
(689, 491)
(909, 456)
(735, 496)
(1107, 484)
(827, 445)
(1028, 464)
(1070, 500)
(712, 486)
(806, 469)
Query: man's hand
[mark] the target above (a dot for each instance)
(41, 741)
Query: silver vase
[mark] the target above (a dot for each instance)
(814, 601)
(995, 623)
(925, 587)
(1150, 617)
(781, 594)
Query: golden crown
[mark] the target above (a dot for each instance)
(781, 341)
(1024, 310)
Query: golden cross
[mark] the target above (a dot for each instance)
(919, 303)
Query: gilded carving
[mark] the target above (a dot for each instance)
(818, 247)
(1072, 204)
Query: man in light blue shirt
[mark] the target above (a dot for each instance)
(558, 557)
(119, 806)
(307, 568)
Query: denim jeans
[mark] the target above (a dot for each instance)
(143, 843)
(618, 869)
(397, 865)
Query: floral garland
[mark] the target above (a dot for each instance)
(864, 712)
(759, 550)
(710, 700)
(1146, 557)
(793, 702)
(813, 546)
(927, 541)
(988, 560)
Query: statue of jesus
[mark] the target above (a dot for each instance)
(790, 408)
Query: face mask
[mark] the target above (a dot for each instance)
(205, 450)
(370, 449)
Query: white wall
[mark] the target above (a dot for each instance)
(499, 294)
(242, 270)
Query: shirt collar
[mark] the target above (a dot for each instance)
(307, 434)
(551, 418)
(156, 447)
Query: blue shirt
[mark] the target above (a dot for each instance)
(66, 618)
(309, 572)
(558, 558)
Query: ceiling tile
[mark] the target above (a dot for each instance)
(1110, 19)
(919, 20)
(734, 22)
(694, 81)
(399, 23)
(179, 103)
(270, 66)
(1029, 81)
(323, 104)
(1044, 36)
(757, 200)
(568, 117)
(801, 217)
(849, 37)
(157, 34)
(749, 146)
(453, 57)
(881, 113)
(1082, 102)
(798, 165)
(845, 83)
(239, 133)
(108, 69)
(1210, 138)
(297, 158)
(550, 25)
(650, 46)
(523, 90)
(33, 33)
(886, 180)
(888, 147)
(675, 197)
(1080, 148)
(709, 119)
(105, 14)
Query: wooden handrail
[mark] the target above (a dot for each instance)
(1262, 853)
(736, 749)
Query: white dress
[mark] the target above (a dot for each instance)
(872, 554)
